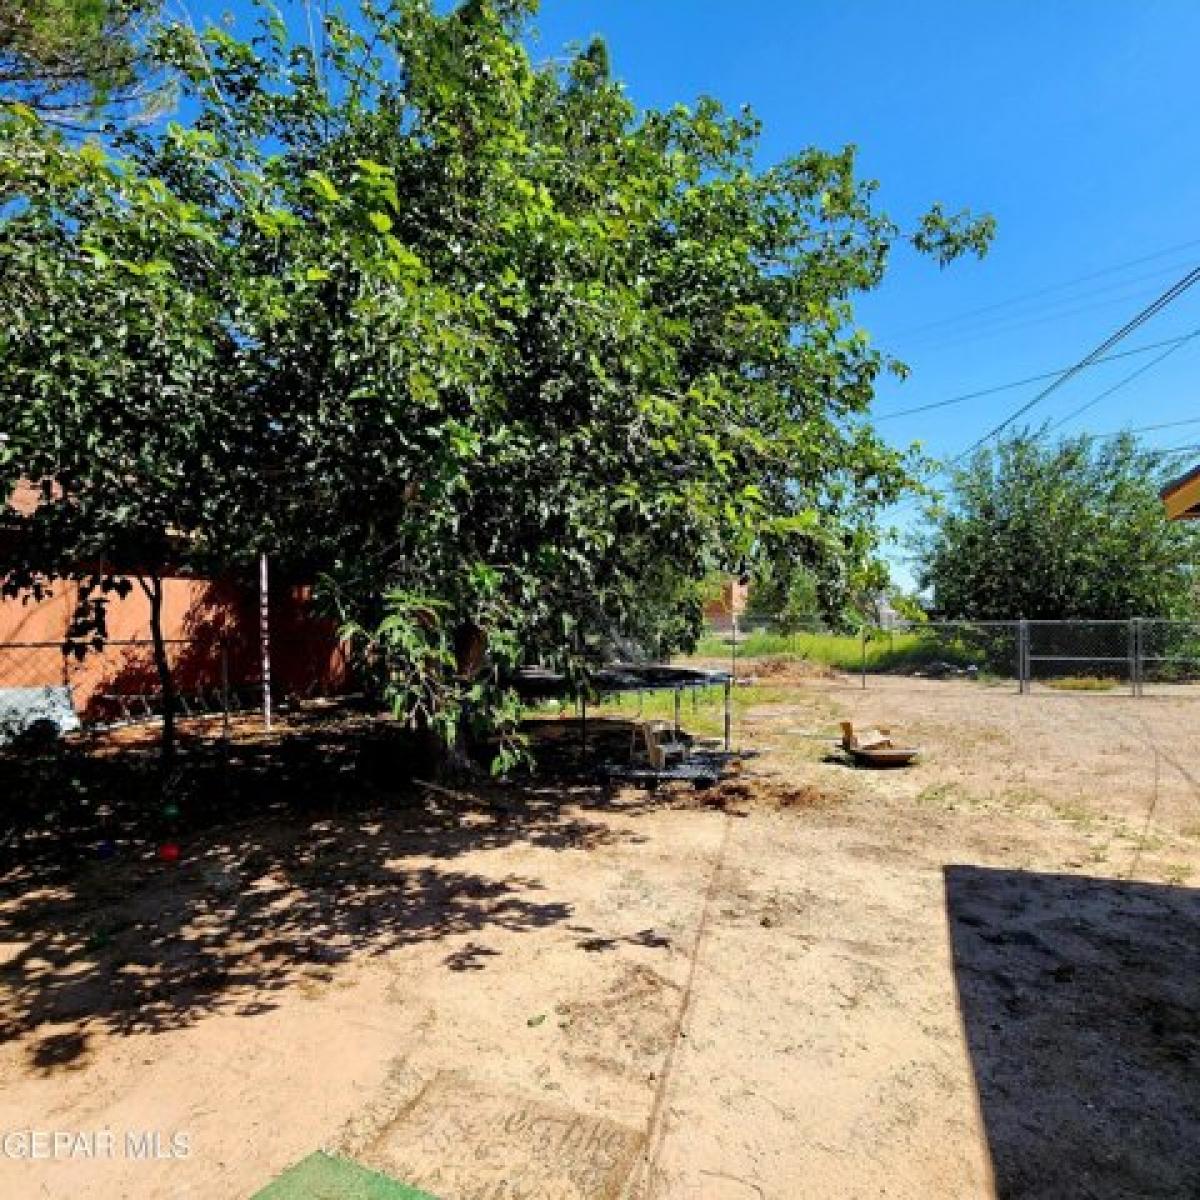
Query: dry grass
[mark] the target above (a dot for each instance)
(1082, 683)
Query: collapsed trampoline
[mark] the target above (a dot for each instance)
(659, 751)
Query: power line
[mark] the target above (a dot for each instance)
(1005, 387)
(943, 469)
(1056, 287)
(1116, 387)
(1044, 313)
(901, 508)
(1155, 307)
(1145, 429)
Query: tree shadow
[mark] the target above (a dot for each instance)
(1080, 999)
(143, 947)
(648, 939)
(216, 659)
(289, 855)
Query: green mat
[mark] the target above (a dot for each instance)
(320, 1177)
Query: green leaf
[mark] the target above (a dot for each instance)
(322, 187)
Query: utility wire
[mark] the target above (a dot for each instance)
(1146, 428)
(1056, 287)
(1116, 387)
(901, 507)
(1151, 309)
(1127, 291)
(1016, 383)
(944, 469)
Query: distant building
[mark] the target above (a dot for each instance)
(730, 605)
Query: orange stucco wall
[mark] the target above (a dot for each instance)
(200, 617)
(46, 621)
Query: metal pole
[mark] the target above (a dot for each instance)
(583, 747)
(678, 697)
(728, 716)
(264, 635)
(862, 637)
(225, 689)
(1140, 655)
(1132, 655)
(1022, 656)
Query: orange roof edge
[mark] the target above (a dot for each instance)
(1181, 499)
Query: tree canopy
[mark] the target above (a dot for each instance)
(1060, 529)
(67, 58)
(471, 338)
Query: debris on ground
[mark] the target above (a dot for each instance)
(785, 670)
(875, 747)
(738, 796)
(947, 670)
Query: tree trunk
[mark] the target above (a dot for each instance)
(154, 591)
(457, 765)
(470, 650)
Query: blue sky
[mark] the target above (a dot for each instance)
(1074, 122)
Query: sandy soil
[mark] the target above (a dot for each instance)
(975, 977)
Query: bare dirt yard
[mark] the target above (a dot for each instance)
(979, 976)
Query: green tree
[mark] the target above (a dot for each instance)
(510, 363)
(114, 381)
(68, 58)
(1055, 530)
(516, 331)
(787, 595)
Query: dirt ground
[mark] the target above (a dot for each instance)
(975, 977)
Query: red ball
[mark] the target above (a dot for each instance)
(169, 852)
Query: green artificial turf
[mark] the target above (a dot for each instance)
(321, 1177)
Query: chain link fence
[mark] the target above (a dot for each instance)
(118, 683)
(1139, 656)
(1168, 656)
(85, 687)
(1079, 655)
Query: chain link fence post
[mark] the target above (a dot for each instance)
(1139, 655)
(1132, 635)
(1022, 657)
